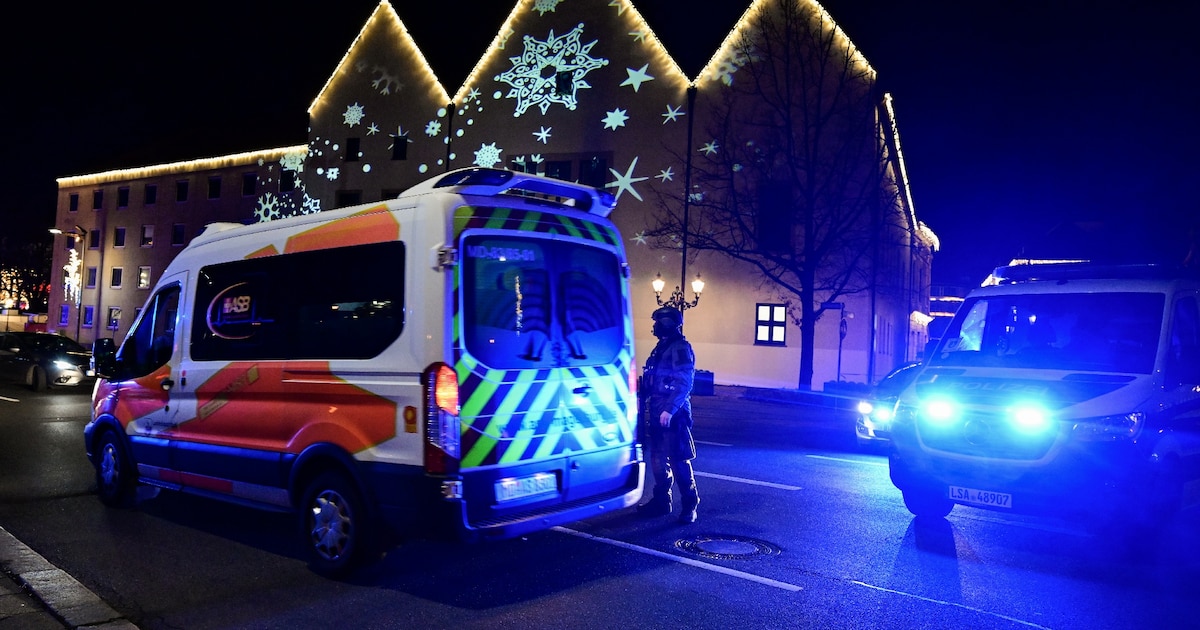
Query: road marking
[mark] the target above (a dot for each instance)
(848, 461)
(956, 605)
(680, 559)
(7, 399)
(713, 443)
(753, 482)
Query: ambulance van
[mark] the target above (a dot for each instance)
(1069, 389)
(460, 357)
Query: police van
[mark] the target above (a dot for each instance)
(459, 356)
(1065, 389)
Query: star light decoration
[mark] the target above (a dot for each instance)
(544, 68)
(625, 181)
(637, 77)
(672, 114)
(543, 135)
(615, 118)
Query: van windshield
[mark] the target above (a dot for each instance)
(536, 302)
(1102, 332)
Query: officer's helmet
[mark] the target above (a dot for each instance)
(672, 315)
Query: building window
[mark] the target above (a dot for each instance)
(89, 316)
(144, 277)
(151, 194)
(181, 190)
(593, 172)
(114, 317)
(214, 187)
(118, 274)
(770, 325)
(249, 183)
(559, 169)
(400, 147)
(123, 197)
(345, 198)
(147, 236)
(92, 274)
(119, 237)
(287, 181)
(64, 314)
(353, 153)
(73, 202)
(93, 239)
(177, 234)
(97, 199)
(563, 81)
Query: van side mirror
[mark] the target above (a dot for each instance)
(104, 357)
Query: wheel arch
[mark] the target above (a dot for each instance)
(320, 458)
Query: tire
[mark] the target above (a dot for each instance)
(116, 479)
(337, 529)
(925, 503)
(37, 379)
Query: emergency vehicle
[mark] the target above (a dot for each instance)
(462, 354)
(1067, 389)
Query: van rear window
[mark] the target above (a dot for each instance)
(340, 303)
(536, 302)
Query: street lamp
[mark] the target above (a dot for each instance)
(677, 299)
(76, 270)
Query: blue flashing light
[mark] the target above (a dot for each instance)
(940, 410)
(1029, 418)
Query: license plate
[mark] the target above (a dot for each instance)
(981, 497)
(512, 489)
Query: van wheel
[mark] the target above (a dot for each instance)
(336, 526)
(924, 503)
(116, 482)
(37, 379)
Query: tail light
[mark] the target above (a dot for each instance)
(441, 420)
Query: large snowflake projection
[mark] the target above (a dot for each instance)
(353, 115)
(312, 205)
(637, 77)
(385, 81)
(488, 155)
(730, 64)
(615, 118)
(550, 71)
(268, 208)
(626, 180)
(544, 6)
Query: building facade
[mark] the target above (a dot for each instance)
(579, 90)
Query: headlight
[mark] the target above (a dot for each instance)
(939, 411)
(1029, 418)
(864, 407)
(1126, 425)
(65, 365)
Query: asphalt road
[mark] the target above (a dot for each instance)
(797, 529)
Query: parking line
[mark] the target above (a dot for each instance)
(753, 482)
(848, 461)
(680, 559)
(7, 399)
(713, 443)
(953, 604)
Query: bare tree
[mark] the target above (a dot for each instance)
(795, 183)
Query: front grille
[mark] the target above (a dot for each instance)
(987, 435)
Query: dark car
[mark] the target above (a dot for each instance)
(873, 421)
(42, 360)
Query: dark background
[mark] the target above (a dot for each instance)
(1030, 127)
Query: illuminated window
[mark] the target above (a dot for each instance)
(118, 275)
(177, 235)
(353, 152)
(147, 236)
(151, 194)
(64, 314)
(770, 325)
(249, 182)
(73, 202)
(89, 316)
(97, 199)
(214, 187)
(181, 191)
(114, 317)
(144, 277)
(123, 197)
(119, 237)
(400, 147)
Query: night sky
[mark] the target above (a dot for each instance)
(1018, 120)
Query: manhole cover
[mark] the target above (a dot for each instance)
(722, 547)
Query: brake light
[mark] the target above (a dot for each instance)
(441, 420)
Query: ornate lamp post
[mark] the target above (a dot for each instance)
(677, 298)
(75, 270)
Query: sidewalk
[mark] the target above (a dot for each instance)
(36, 595)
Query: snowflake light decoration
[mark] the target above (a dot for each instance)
(353, 115)
(433, 128)
(487, 156)
(332, 173)
(387, 80)
(293, 161)
(268, 208)
(550, 71)
(544, 6)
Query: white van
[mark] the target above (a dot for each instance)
(461, 355)
(1067, 389)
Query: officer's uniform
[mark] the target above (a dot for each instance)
(667, 386)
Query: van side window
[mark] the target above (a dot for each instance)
(151, 343)
(339, 303)
(1183, 356)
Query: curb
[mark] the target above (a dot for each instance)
(64, 596)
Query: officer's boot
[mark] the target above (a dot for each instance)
(660, 504)
(687, 492)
